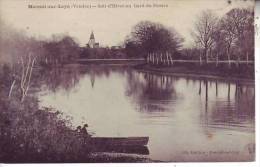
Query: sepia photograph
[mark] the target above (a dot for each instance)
(127, 81)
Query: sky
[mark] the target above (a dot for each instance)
(110, 25)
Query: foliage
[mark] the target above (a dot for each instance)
(30, 134)
(148, 37)
(203, 31)
(60, 51)
(229, 38)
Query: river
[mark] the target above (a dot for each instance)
(186, 119)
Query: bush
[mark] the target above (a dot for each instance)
(29, 134)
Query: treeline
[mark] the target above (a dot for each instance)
(147, 37)
(60, 50)
(20, 54)
(16, 46)
(230, 37)
(103, 53)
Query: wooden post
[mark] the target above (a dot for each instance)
(200, 88)
(147, 58)
(229, 91)
(152, 60)
(216, 88)
(206, 82)
(200, 60)
(217, 60)
(247, 58)
(164, 58)
(229, 63)
(167, 57)
(161, 58)
(238, 60)
(171, 58)
(157, 58)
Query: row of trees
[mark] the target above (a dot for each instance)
(228, 37)
(148, 37)
(60, 50)
(19, 54)
(16, 45)
(103, 53)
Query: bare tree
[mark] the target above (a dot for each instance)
(203, 31)
(23, 75)
(26, 74)
(239, 25)
(223, 39)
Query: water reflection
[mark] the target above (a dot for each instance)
(179, 114)
(56, 79)
(150, 92)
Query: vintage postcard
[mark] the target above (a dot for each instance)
(96, 81)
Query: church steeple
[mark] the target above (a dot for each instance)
(92, 35)
(91, 42)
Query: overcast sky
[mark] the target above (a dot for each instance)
(110, 26)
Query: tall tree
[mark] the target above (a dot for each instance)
(223, 40)
(241, 22)
(204, 29)
(154, 37)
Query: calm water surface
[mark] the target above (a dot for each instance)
(186, 119)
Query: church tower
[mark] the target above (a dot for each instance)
(92, 42)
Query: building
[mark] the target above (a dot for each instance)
(116, 47)
(92, 43)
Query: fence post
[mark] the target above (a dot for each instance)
(152, 58)
(238, 60)
(167, 57)
(147, 58)
(247, 58)
(229, 63)
(217, 60)
(161, 58)
(157, 58)
(171, 59)
(200, 59)
(164, 58)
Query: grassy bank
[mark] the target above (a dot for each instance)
(30, 134)
(241, 72)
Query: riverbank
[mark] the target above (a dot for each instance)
(111, 61)
(29, 134)
(33, 134)
(243, 74)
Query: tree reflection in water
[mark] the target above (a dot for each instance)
(234, 109)
(160, 106)
(60, 78)
(226, 104)
(223, 104)
(152, 93)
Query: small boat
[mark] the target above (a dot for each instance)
(141, 150)
(120, 141)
